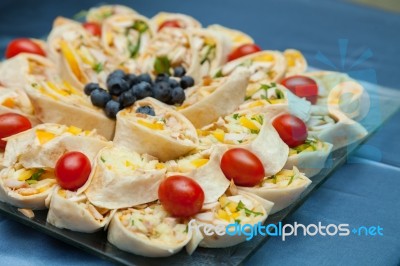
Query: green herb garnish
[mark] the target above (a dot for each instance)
(162, 65)
(247, 211)
(37, 175)
(140, 26)
(254, 131)
(218, 74)
(237, 221)
(102, 159)
(259, 119)
(210, 49)
(279, 94)
(134, 48)
(235, 116)
(291, 180)
(133, 222)
(80, 15)
(98, 67)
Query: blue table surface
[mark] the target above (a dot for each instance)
(363, 192)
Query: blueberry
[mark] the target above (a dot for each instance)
(179, 71)
(116, 74)
(177, 95)
(131, 79)
(145, 77)
(91, 87)
(162, 91)
(146, 110)
(127, 98)
(186, 82)
(100, 97)
(112, 108)
(142, 90)
(117, 85)
(173, 83)
(162, 77)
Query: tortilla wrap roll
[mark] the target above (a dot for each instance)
(282, 189)
(236, 37)
(309, 157)
(214, 98)
(43, 145)
(20, 70)
(338, 90)
(16, 101)
(167, 135)
(78, 54)
(334, 127)
(26, 187)
(204, 168)
(183, 20)
(149, 231)
(264, 66)
(136, 178)
(212, 50)
(59, 102)
(272, 99)
(170, 47)
(125, 37)
(73, 211)
(249, 131)
(230, 210)
(296, 63)
(101, 13)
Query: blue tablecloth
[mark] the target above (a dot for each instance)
(364, 192)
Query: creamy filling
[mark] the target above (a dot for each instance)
(155, 224)
(29, 182)
(171, 43)
(189, 163)
(232, 209)
(285, 178)
(124, 162)
(128, 37)
(166, 123)
(233, 129)
(310, 145)
(261, 68)
(13, 100)
(49, 132)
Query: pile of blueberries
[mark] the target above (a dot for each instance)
(123, 90)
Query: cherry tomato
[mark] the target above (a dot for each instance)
(303, 87)
(11, 124)
(243, 166)
(93, 27)
(170, 23)
(72, 170)
(23, 45)
(181, 196)
(243, 50)
(291, 129)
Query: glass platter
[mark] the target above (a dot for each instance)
(383, 105)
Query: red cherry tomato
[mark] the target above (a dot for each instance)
(170, 23)
(73, 170)
(303, 87)
(11, 124)
(291, 129)
(93, 27)
(181, 196)
(243, 50)
(243, 167)
(23, 45)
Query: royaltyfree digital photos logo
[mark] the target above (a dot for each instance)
(284, 230)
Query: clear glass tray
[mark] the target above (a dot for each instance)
(383, 106)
